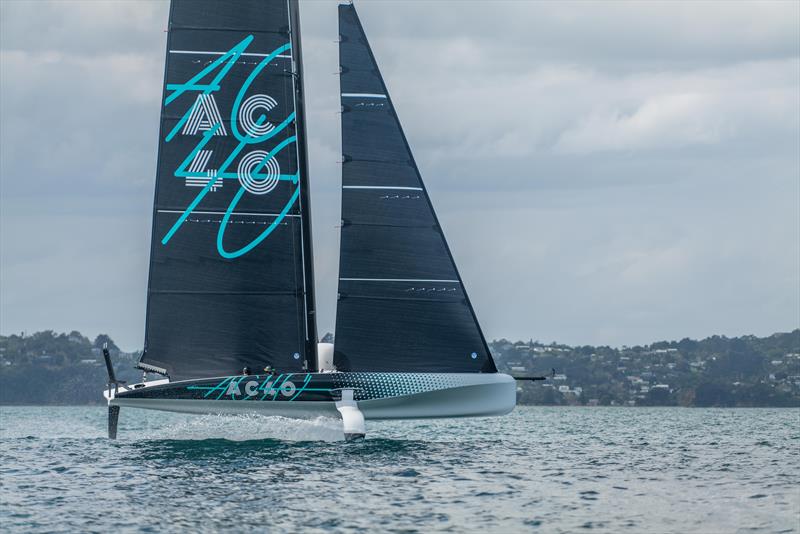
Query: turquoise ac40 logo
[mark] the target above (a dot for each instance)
(258, 171)
(270, 387)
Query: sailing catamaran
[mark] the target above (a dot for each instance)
(231, 322)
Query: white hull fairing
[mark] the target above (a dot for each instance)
(376, 395)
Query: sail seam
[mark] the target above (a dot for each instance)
(402, 188)
(222, 29)
(452, 299)
(216, 53)
(243, 293)
(379, 225)
(397, 280)
(232, 213)
(348, 159)
(363, 95)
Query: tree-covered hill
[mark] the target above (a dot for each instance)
(52, 368)
(716, 371)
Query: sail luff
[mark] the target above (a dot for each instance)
(307, 243)
(408, 235)
(142, 363)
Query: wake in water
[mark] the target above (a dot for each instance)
(61, 422)
(244, 428)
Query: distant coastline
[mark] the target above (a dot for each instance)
(48, 368)
(744, 371)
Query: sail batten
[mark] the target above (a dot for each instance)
(231, 283)
(402, 306)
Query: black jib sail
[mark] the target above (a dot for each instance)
(231, 282)
(402, 306)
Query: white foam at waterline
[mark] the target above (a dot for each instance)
(248, 427)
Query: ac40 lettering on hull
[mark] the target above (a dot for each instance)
(253, 387)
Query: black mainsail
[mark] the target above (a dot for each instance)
(402, 306)
(231, 282)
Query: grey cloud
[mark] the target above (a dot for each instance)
(609, 32)
(605, 173)
(85, 27)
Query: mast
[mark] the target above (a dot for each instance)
(402, 303)
(305, 189)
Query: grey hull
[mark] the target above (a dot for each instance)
(480, 395)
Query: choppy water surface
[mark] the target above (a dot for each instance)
(539, 469)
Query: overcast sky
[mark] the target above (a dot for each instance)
(605, 173)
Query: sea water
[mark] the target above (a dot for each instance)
(536, 470)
